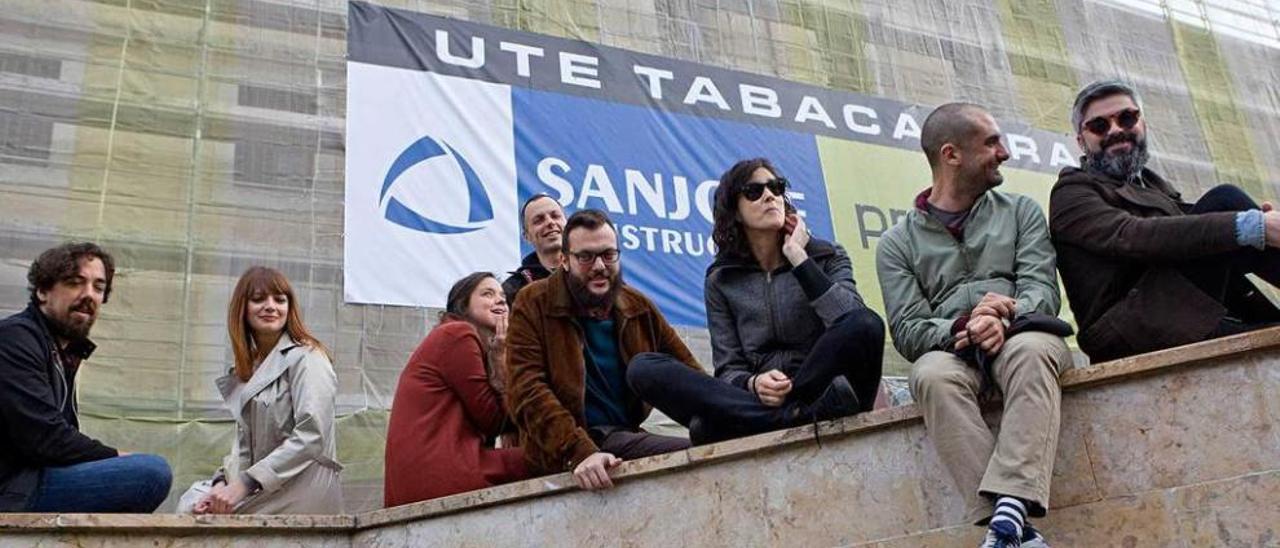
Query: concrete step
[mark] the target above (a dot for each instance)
(1173, 448)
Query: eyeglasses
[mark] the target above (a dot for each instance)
(587, 258)
(1126, 119)
(753, 191)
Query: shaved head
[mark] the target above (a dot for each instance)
(950, 123)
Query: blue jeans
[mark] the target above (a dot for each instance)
(132, 484)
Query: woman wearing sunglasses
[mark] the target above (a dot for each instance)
(786, 322)
(791, 338)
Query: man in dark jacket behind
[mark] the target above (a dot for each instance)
(46, 464)
(1143, 269)
(541, 221)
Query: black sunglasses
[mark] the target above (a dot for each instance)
(1126, 119)
(753, 191)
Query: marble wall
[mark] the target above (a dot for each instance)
(1160, 454)
(1176, 448)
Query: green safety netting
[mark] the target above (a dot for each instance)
(196, 138)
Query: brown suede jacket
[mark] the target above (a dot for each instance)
(545, 368)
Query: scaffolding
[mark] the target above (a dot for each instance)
(196, 138)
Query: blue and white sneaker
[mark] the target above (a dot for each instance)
(1001, 535)
(1031, 538)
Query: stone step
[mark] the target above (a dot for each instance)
(1173, 448)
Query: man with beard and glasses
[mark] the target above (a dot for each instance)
(1143, 269)
(46, 464)
(570, 340)
(541, 223)
(968, 283)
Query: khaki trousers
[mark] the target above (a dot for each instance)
(1019, 461)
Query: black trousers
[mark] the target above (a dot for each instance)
(628, 444)
(853, 347)
(1222, 276)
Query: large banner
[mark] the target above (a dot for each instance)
(451, 125)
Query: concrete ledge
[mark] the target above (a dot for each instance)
(635, 469)
(1135, 366)
(1196, 419)
(1145, 438)
(1239, 511)
(1075, 379)
(11, 523)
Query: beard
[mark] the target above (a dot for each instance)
(1123, 166)
(583, 296)
(64, 325)
(984, 179)
(980, 177)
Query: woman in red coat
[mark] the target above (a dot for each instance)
(447, 404)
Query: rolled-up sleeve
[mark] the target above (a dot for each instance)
(727, 356)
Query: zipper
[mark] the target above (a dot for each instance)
(61, 373)
(768, 304)
(960, 248)
(964, 258)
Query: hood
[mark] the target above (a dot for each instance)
(531, 262)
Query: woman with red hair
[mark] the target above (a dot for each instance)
(281, 393)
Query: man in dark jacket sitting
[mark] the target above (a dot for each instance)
(46, 464)
(1143, 269)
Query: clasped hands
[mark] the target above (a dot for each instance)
(987, 323)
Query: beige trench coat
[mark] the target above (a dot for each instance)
(285, 435)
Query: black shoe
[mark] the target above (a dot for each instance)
(697, 431)
(703, 431)
(838, 400)
(1253, 307)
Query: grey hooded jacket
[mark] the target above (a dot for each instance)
(770, 320)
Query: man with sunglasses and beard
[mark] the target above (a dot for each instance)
(570, 340)
(46, 464)
(1143, 269)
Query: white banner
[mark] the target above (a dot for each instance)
(431, 184)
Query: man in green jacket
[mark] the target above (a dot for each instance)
(964, 263)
